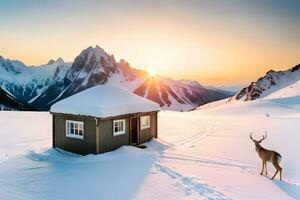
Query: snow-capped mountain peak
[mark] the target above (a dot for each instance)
(50, 62)
(91, 64)
(271, 82)
(58, 61)
(94, 54)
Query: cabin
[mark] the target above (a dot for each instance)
(101, 119)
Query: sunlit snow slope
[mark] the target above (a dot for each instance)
(203, 154)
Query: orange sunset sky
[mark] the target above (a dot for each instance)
(214, 42)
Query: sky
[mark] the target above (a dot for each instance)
(217, 42)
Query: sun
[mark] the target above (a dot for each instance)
(152, 71)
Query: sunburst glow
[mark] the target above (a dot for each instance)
(152, 71)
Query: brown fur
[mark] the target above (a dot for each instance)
(267, 156)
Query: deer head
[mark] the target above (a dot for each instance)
(257, 142)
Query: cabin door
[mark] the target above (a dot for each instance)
(134, 131)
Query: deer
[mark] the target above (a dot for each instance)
(267, 156)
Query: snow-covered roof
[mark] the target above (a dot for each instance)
(104, 101)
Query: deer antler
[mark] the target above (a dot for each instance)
(264, 136)
(251, 136)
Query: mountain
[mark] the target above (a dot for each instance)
(271, 82)
(42, 86)
(228, 91)
(231, 88)
(8, 102)
(175, 95)
(27, 82)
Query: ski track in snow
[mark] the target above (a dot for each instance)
(190, 184)
(207, 130)
(202, 134)
(206, 161)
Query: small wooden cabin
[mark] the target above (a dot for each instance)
(101, 119)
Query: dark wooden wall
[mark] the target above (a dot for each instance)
(85, 146)
(148, 134)
(107, 140)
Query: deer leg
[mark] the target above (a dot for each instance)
(266, 168)
(278, 169)
(262, 170)
(274, 174)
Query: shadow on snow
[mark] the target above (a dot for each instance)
(291, 189)
(56, 174)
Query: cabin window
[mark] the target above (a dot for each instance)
(119, 127)
(145, 122)
(74, 129)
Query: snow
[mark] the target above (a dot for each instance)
(119, 80)
(23, 131)
(92, 67)
(289, 91)
(4, 107)
(202, 154)
(16, 75)
(176, 106)
(289, 96)
(270, 83)
(178, 88)
(104, 101)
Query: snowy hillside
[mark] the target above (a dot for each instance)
(202, 154)
(42, 86)
(268, 84)
(292, 90)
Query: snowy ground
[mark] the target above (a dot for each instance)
(204, 154)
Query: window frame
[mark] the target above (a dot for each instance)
(148, 125)
(124, 127)
(73, 135)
